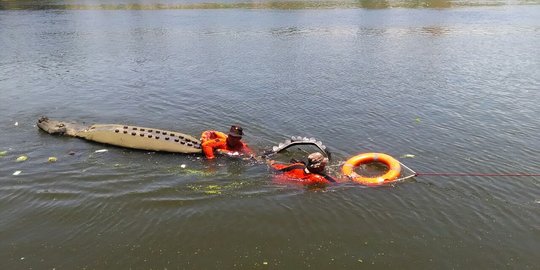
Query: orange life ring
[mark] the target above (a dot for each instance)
(394, 169)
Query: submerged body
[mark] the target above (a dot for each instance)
(298, 172)
(311, 173)
(134, 137)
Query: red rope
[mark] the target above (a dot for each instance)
(478, 174)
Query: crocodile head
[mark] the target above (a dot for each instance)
(51, 126)
(59, 127)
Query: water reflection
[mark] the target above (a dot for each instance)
(224, 4)
(375, 4)
(436, 30)
(363, 31)
(287, 31)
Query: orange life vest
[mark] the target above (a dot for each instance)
(297, 172)
(212, 140)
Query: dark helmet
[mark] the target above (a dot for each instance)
(236, 131)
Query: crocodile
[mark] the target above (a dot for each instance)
(128, 136)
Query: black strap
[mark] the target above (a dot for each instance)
(329, 178)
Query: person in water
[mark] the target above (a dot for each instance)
(312, 173)
(230, 144)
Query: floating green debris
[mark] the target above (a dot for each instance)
(210, 189)
(213, 189)
(196, 172)
(52, 159)
(417, 120)
(3, 153)
(217, 189)
(21, 158)
(235, 185)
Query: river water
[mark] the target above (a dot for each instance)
(454, 89)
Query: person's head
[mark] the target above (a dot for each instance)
(316, 162)
(235, 135)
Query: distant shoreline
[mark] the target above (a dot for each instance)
(284, 5)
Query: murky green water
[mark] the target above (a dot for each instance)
(454, 88)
